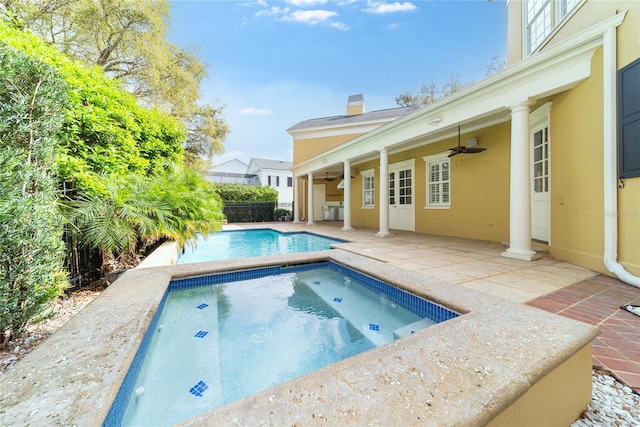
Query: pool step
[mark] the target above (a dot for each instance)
(412, 328)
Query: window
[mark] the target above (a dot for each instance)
(629, 120)
(368, 189)
(438, 181)
(269, 180)
(289, 181)
(277, 181)
(541, 18)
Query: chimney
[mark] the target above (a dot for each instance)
(355, 105)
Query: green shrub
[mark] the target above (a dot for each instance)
(246, 193)
(32, 100)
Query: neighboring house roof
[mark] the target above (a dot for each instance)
(234, 165)
(257, 164)
(371, 116)
(233, 178)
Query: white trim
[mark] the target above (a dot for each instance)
(439, 157)
(610, 110)
(369, 173)
(338, 130)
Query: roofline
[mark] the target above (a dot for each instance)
(550, 71)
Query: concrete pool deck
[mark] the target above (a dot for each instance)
(481, 367)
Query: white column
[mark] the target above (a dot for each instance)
(520, 186)
(346, 226)
(384, 195)
(296, 198)
(310, 199)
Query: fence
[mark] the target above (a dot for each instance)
(249, 211)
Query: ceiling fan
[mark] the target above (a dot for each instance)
(462, 149)
(327, 178)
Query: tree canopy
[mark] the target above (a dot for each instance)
(127, 40)
(105, 132)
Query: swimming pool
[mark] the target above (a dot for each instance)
(223, 337)
(252, 243)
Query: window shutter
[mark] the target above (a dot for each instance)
(629, 120)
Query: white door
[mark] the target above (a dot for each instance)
(401, 196)
(318, 201)
(540, 183)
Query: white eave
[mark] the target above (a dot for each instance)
(482, 104)
(341, 129)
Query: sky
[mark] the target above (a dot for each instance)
(272, 64)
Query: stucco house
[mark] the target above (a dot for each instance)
(560, 129)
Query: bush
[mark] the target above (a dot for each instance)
(32, 99)
(246, 193)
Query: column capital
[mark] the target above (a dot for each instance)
(522, 105)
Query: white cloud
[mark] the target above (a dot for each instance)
(382, 8)
(255, 111)
(274, 10)
(316, 17)
(311, 17)
(306, 2)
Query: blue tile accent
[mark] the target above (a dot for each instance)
(201, 334)
(198, 389)
(119, 406)
(336, 299)
(374, 327)
(316, 283)
(202, 306)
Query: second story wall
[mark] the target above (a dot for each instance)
(304, 149)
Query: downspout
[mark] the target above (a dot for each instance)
(610, 162)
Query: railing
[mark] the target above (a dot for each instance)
(249, 211)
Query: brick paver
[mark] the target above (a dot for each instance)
(598, 301)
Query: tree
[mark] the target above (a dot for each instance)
(127, 40)
(430, 92)
(176, 203)
(32, 102)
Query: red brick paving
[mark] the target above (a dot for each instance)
(597, 301)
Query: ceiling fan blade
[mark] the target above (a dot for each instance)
(474, 150)
(453, 153)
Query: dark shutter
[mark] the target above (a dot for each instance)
(629, 120)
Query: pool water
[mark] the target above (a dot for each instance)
(252, 243)
(212, 344)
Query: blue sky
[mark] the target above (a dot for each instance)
(275, 63)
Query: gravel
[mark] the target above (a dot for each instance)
(612, 402)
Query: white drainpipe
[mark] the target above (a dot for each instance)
(610, 163)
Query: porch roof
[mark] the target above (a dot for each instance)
(479, 105)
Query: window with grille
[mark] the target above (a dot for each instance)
(541, 17)
(438, 181)
(368, 189)
(289, 181)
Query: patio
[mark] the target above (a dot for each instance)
(548, 284)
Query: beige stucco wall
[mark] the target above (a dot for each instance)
(576, 135)
(514, 31)
(304, 149)
(479, 189)
(577, 209)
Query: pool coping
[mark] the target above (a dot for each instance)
(444, 373)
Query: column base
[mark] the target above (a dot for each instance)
(347, 229)
(311, 223)
(383, 234)
(521, 254)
